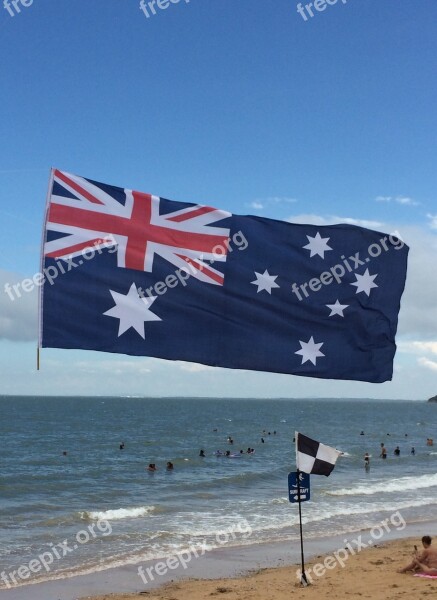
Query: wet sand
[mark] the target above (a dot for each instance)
(371, 573)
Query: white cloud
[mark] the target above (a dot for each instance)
(428, 364)
(426, 346)
(418, 315)
(405, 200)
(260, 204)
(417, 347)
(433, 221)
(19, 313)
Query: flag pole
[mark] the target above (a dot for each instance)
(42, 270)
(303, 577)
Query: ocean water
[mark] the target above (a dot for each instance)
(98, 507)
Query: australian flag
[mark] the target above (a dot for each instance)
(133, 273)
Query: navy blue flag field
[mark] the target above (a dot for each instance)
(132, 273)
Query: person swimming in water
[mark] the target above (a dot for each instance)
(151, 467)
(169, 466)
(202, 453)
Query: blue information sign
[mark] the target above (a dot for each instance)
(304, 482)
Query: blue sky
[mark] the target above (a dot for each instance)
(242, 105)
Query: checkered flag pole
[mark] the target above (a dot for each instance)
(315, 458)
(303, 578)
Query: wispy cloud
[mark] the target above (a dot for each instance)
(428, 364)
(433, 221)
(261, 203)
(417, 347)
(405, 200)
(18, 317)
(426, 346)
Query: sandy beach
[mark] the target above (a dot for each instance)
(370, 573)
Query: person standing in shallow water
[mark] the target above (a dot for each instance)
(383, 451)
(367, 461)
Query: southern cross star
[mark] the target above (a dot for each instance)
(310, 351)
(265, 282)
(317, 245)
(337, 308)
(365, 283)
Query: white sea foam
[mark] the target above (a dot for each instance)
(401, 484)
(117, 514)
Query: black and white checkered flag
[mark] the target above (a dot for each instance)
(314, 457)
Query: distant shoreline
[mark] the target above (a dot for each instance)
(237, 398)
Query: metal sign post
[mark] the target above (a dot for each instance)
(299, 491)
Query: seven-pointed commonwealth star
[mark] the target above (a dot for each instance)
(365, 283)
(132, 310)
(265, 282)
(337, 308)
(310, 351)
(317, 245)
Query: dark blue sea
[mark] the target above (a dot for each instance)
(98, 507)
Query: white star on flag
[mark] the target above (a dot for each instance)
(132, 310)
(337, 308)
(365, 283)
(265, 282)
(310, 351)
(317, 245)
